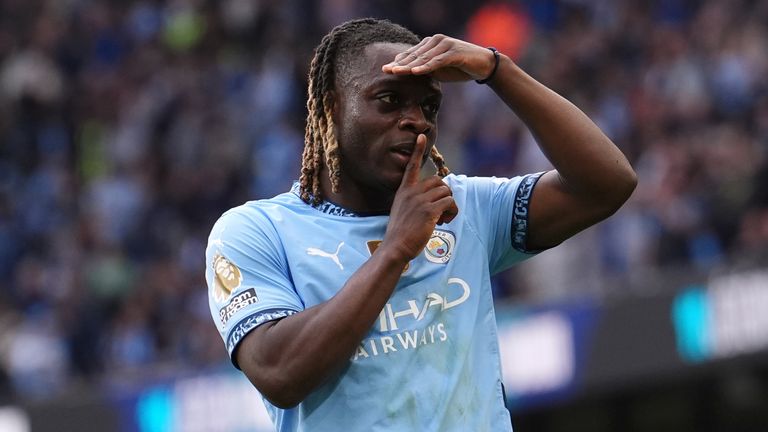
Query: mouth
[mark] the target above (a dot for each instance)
(403, 149)
(402, 153)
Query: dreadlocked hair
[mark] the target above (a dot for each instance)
(336, 51)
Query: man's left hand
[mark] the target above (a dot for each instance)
(445, 58)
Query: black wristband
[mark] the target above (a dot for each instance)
(495, 66)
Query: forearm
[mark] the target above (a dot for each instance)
(288, 359)
(592, 177)
(589, 164)
(298, 353)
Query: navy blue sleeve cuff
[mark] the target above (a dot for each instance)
(249, 323)
(520, 212)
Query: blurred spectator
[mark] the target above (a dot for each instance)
(126, 128)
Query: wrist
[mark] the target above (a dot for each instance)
(392, 256)
(493, 68)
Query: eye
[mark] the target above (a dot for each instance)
(431, 107)
(389, 98)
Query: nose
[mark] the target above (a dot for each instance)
(412, 118)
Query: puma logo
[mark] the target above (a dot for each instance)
(333, 256)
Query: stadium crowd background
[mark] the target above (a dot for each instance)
(128, 127)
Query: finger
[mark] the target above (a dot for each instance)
(445, 218)
(425, 53)
(411, 175)
(427, 41)
(437, 193)
(425, 45)
(430, 182)
(433, 181)
(413, 52)
(406, 65)
(432, 64)
(388, 67)
(449, 215)
(440, 51)
(448, 208)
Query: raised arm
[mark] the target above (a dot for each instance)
(592, 178)
(288, 358)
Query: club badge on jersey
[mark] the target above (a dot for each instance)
(440, 247)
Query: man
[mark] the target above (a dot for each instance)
(360, 300)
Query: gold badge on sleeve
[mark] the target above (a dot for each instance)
(227, 277)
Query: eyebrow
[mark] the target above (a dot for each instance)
(389, 79)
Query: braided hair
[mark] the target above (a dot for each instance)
(336, 51)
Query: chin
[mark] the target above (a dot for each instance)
(392, 184)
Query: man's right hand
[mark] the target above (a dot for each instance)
(419, 205)
(289, 358)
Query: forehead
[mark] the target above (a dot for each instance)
(366, 71)
(382, 53)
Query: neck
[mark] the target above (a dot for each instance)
(357, 199)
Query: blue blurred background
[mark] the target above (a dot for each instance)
(128, 127)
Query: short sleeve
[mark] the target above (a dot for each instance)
(497, 209)
(247, 275)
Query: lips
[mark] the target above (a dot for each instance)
(405, 148)
(402, 152)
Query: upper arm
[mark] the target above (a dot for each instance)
(252, 353)
(556, 213)
(252, 348)
(497, 210)
(258, 358)
(249, 284)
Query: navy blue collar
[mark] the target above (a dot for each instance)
(325, 206)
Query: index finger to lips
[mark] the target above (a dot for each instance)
(411, 175)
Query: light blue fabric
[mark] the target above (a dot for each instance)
(431, 361)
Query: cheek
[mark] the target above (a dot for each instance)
(351, 139)
(362, 135)
(348, 124)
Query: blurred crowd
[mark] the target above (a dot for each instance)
(128, 127)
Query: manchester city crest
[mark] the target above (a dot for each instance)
(440, 247)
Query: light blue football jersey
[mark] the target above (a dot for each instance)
(431, 360)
